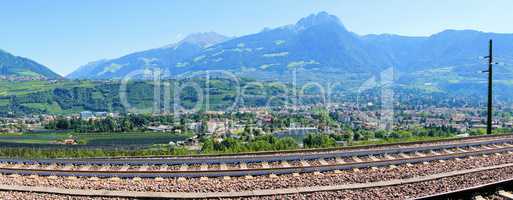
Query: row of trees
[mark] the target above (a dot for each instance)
(363, 135)
(261, 143)
(109, 124)
(84, 153)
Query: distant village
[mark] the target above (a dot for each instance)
(345, 115)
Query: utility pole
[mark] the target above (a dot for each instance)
(490, 89)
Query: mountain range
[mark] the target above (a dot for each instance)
(170, 55)
(317, 47)
(19, 67)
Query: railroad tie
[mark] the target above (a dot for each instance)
(409, 165)
(486, 147)
(389, 157)
(204, 167)
(485, 156)
(448, 151)
(356, 169)
(181, 179)
(243, 165)
(137, 179)
(419, 154)
(50, 167)
(425, 163)
(163, 168)
(505, 194)
(462, 150)
(322, 161)
(124, 168)
(457, 159)
(204, 178)
(14, 175)
(498, 146)
(227, 178)
(285, 163)
(273, 176)
(16, 166)
(434, 153)
(33, 176)
(94, 178)
(404, 155)
(392, 166)
(356, 159)
(32, 166)
(317, 173)
(223, 166)
(159, 179)
(498, 154)
(508, 144)
(104, 168)
(336, 172)
(184, 167)
(265, 165)
(442, 161)
(87, 167)
(248, 177)
(72, 178)
(304, 163)
(374, 168)
(66, 167)
(373, 158)
(295, 174)
(37, 166)
(510, 152)
(479, 197)
(340, 160)
(473, 148)
(115, 179)
(144, 168)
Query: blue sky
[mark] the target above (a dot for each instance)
(65, 34)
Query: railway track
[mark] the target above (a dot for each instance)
(329, 161)
(273, 193)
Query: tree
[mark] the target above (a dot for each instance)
(208, 146)
(286, 143)
(318, 140)
(63, 124)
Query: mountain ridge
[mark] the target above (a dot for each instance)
(320, 45)
(152, 58)
(17, 67)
